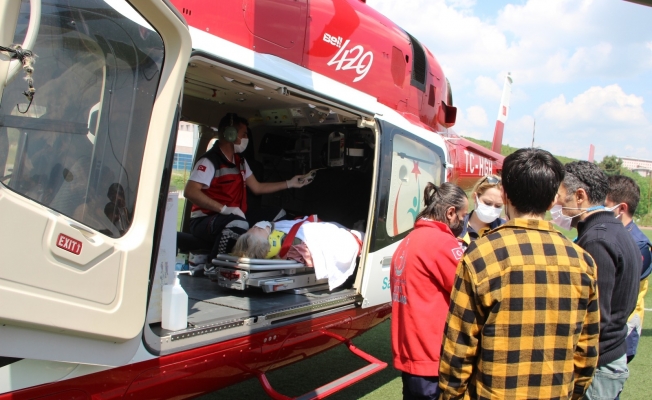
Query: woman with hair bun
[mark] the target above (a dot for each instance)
(422, 274)
(487, 195)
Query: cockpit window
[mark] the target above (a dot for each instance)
(79, 147)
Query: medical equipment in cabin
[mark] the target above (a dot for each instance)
(336, 145)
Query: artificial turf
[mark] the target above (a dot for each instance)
(309, 374)
(639, 384)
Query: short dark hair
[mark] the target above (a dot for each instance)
(588, 176)
(623, 189)
(531, 178)
(243, 121)
(439, 199)
(226, 121)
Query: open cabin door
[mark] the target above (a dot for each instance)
(406, 163)
(80, 171)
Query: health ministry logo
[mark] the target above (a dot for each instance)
(416, 200)
(399, 266)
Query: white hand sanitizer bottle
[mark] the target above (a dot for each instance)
(175, 307)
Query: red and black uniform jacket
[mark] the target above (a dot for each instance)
(227, 186)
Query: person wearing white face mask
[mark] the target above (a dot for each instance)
(580, 203)
(217, 189)
(487, 194)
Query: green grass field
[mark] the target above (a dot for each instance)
(303, 376)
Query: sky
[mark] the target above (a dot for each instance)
(582, 69)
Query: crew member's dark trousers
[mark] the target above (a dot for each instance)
(221, 230)
(420, 387)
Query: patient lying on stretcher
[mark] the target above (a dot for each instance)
(329, 247)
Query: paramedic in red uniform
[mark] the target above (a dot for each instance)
(422, 274)
(217, 190)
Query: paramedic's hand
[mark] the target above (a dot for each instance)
(232, 210)
(298, 181)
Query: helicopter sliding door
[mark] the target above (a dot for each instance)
(80, 174)
(407, 162)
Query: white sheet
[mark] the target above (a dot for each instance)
(332, 247)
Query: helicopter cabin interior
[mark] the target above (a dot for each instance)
(290, 133)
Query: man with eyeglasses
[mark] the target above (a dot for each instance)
(523, 321)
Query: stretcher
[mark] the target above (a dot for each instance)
(269, 275)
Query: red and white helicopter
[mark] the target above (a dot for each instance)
(328, 84)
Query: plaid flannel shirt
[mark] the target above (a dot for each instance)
(524, 318)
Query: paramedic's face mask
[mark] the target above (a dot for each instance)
(244, 141)
(242, 146)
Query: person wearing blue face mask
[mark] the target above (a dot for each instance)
(487, 194)
(580, 204)
(623, 197)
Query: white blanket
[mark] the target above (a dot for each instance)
(332, 247)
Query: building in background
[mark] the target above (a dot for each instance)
(187, 138)
(642, 167)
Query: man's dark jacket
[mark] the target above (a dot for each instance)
(619, 271)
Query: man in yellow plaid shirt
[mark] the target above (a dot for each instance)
(524, 318)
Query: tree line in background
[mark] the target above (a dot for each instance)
(611, 165)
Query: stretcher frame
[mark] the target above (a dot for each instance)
(269, 275)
